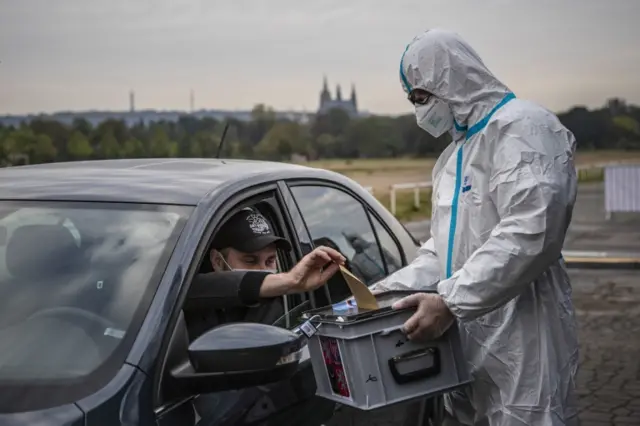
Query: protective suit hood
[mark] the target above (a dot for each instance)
(443, 64)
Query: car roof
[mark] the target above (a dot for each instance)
(182, 181)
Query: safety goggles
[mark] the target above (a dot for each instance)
(419, 97)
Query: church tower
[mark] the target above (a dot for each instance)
(327, 102)
(325, 96)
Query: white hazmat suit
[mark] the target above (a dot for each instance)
(503, 195)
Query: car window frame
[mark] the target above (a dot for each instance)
(64, 392)
(294, 215)
(369, 211)
(394, 238)
(245, 197)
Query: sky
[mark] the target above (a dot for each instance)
(88, 54)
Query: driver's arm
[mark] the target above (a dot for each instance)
(226, 289)
(231, 289)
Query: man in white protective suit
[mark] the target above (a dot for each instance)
(503, 194)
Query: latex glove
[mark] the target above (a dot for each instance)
(432, 317)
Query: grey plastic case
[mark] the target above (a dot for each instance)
(364, 360)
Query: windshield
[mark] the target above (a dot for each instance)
(73, 281)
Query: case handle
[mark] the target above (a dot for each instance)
(423, 373)
(388, 331)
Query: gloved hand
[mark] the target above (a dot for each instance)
(432, 318)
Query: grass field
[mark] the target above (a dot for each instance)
(380, 174)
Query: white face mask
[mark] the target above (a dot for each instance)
(229, 268)
(270, 271)
(435, 117)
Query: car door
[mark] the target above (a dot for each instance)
(278, 404)
(375, 245)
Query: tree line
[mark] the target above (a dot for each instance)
(331, 135)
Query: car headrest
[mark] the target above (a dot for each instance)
(36, 251)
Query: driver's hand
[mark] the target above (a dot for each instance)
(315, 269)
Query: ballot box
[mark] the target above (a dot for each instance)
(361, 358)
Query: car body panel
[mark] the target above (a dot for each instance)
(162, 181)
(65, 415)
(122, 401)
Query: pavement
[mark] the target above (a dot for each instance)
(608, 310)
(607, 302)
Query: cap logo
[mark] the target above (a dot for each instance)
(257, 224)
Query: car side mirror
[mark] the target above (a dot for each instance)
(237, 356)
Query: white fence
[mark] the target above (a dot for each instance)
(584, 173)
(621, 189)
(416, 186)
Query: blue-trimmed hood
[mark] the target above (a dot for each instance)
(442, 63)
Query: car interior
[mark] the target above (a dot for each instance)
(287, 310)
(267, 314)
(39, 258)
(74, 279)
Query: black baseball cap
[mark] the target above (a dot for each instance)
(247, 231)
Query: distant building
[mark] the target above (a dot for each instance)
(132, 102)
(327, 103)
(617, 106)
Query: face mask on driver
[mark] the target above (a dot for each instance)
(229, 268)
(435, 117)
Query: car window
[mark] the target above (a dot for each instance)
(390, 250)
(336, 219)
(72, 278)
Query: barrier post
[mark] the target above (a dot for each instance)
(392, 199)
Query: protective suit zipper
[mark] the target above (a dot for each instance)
(454, 211)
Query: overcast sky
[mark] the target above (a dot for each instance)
(87, 54)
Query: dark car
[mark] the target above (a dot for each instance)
(96, 263)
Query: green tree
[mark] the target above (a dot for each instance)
(159, 143)
(78, 147)
(42, 150)
(204, 144)
(82, 125)
(6, 147)
(627, 124)
(335, 122)
(58, 133)
(284, 139)
(195, 150)
(133, 148)
(109, 147)
(117, 128)
(262, 120)
(324, 146)
(24, 141)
